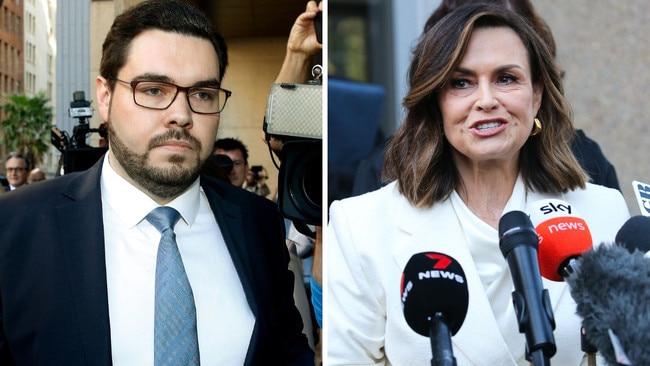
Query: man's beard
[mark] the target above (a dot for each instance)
(163, 182)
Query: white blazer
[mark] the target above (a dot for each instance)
(370, 239)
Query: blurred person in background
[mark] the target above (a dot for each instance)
(256, 181)
(238, 154)
(36, 175)
(17, 170)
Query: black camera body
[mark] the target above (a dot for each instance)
(294, 116)
(257, 170)
(76, 154)
(300, 191)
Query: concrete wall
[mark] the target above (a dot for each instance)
(602, 47)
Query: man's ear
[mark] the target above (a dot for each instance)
(103, 97)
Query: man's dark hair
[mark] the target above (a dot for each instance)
(166, 15)
(229, 144)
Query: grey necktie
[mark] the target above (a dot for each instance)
(175, 336)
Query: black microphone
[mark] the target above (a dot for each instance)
(518, 243)
(563, 236)
(635, 234)
(611, 288)
(435, 299)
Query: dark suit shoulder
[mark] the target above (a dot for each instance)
(237, 195)
(42, 192)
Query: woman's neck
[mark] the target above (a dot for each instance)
(486, 190)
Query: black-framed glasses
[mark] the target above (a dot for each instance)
(18, 169)
(160, 95)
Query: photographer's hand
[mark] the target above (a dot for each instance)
(317, 264)
(301, 46)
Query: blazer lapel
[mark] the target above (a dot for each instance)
(79, 218)
(229, 218)
(438, 230)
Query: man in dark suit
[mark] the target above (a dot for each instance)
(78, 254)
(4, 184)
(17, 168)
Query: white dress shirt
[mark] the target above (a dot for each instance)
(483, 243)
(224, 319)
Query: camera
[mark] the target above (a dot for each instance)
(258, 173)
(76, 155)
(80, 107)
(294, 117)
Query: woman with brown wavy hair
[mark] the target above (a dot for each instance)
(487, 131)
(586, 150)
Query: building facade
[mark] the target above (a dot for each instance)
(11, 48)
(39, 47)
(27, 51)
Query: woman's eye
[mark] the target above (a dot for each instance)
(460, 83)
(507, 79)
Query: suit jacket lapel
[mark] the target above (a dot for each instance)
(229, 218)
(79, 218)
(438, 230)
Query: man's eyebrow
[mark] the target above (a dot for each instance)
(213, 83)
(153, 77)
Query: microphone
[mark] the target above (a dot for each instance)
(642, 194)
(635, 234)
(435, 299)
(562, 235)
(611, 288)
(518, 243)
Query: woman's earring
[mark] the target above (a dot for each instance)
(537, 127)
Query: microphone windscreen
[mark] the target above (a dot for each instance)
(562, 236)
(434, 283)
(635, 234)
(611, 288)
